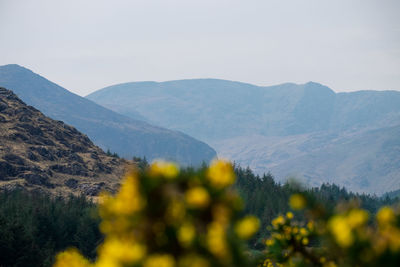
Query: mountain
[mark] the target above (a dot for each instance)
(126, 136)
(305, 131)
(38, 153)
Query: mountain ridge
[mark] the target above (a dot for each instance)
(126, 136)
(174, 88)
(229, 114)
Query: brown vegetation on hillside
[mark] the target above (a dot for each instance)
(38, 153)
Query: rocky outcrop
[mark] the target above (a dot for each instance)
(38, 153)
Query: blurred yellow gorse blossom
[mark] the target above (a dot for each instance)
(220, 174)
(165, 217)
(247, 227)
(297, 202)
(346, 236)
(164, 168)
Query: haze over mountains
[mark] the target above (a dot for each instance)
(126, 136)
(305, 131)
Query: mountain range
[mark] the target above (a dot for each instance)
(302, 131)
(121, 134)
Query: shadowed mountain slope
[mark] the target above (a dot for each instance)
(126, 136)
(307, 130)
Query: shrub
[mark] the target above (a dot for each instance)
(347, 236)
(167, 217)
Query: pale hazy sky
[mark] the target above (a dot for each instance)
(86, 45)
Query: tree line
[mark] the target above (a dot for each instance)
(35, 226)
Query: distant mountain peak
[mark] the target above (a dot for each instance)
(15, 67)
(311, 83)
(317, 86)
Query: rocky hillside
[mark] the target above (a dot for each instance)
(305, 131)
(38, 153)
(126, 136)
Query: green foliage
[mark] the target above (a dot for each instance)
(164, 217)
(34, 227)
(141, 163)
(344, 236)
(114, 155)
(266, 198)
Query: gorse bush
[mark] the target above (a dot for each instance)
(35, 226)
(346, 236)
(164, 216)
(266, 198)
(167, 217)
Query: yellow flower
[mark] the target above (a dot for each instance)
(134, 231)
(128, 199)
(159, 260)
(268, 263)
(277, 236)
(289, 215)
(186, 234)
(71, 258)
(115, 210)
(197, 197)
(385, 216)
(163, 168)
(303, 231)
(220, 174)
(305, 241)
(247, 227)
(121, 251)
(270, 242)
(341, 230)
(117, 225)
(357, 217)
(278, 221)
(310, 225)
(216, 240)
(297, 202)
